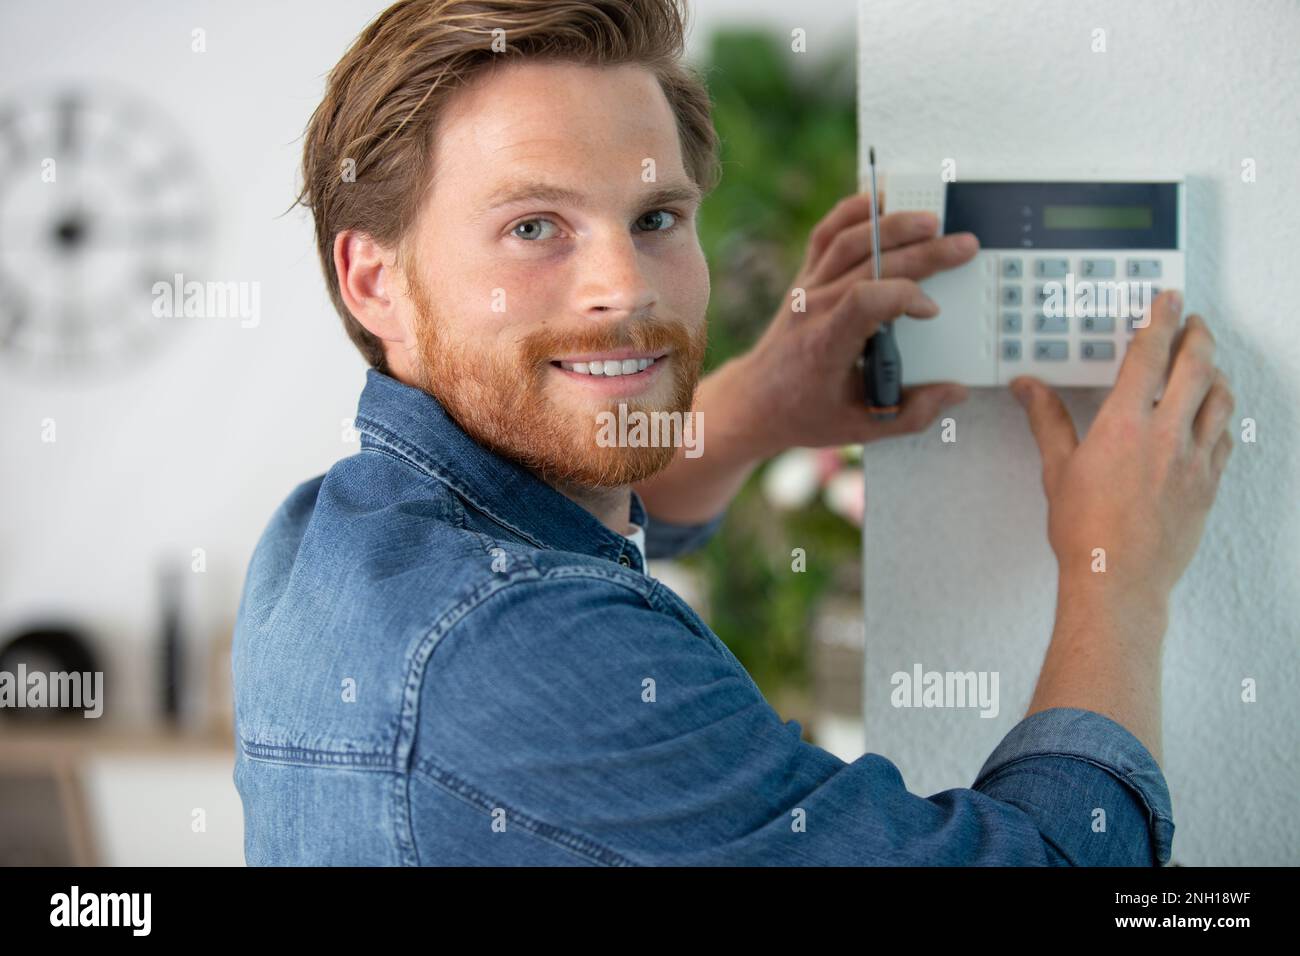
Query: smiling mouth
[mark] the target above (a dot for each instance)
(610, 368)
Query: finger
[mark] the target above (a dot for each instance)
(852, 246)
(865, 305)
(1142, 373)
(1192, 374)
(919, 260)
(1050, 422)
(845, 213)
(921, 405)
(1214, 412)
(1219, 456)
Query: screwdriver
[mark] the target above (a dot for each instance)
(882, 369)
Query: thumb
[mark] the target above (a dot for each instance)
(1050, 422)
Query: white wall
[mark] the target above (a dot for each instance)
(959, 575)
(197, 445)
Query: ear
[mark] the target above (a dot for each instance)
(366, 271)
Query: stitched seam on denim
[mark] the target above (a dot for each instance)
(500, 585)
(633, 581)
(386, 452)
(417, 671)
(1117, 774)
(305, 756)
(403, 830)
(566, 839)
(644, 588)
(446, 623)
(416, 457)
(489, 543)
(457, 510)
(666, 601)
(462, 520)
(413, 456)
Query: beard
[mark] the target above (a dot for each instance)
(505, 402)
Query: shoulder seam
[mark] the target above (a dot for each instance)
(575, 843)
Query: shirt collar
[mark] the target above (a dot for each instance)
(410, 423)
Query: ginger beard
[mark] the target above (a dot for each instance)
(523, 408)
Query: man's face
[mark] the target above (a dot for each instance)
(503, 290)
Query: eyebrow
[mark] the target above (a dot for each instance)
(521, 190)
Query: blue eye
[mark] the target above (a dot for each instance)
(525, 223)
(535, 234)
(662, 212)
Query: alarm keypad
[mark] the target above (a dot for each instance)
(1003, 314)
(1034, 280)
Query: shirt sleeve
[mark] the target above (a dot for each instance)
(589, 716)
(1091, 787)
(667, 540)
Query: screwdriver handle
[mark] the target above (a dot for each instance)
(882, 373)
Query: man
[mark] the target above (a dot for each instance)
(448, 651)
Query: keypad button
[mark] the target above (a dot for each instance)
(1011, 322)
(1097, 350)
(1050, 324)
(1011, 295)
(1051, 350)
(1143, 269)
(1097, 323)
(1051, 268)
(1012, 268)
(1098, 268)
(1011, 349)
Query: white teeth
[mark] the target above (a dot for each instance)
(609, 367)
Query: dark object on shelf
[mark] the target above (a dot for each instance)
(47, 649)
(171, 640)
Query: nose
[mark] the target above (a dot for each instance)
(612, 282)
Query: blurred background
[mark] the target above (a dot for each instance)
(144, 456)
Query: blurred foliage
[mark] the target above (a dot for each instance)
(789, 152)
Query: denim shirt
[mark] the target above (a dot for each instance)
(441, 660)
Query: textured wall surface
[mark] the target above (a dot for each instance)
(959, 575)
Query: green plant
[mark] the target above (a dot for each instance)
(789, 152)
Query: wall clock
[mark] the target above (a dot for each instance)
(101, 198)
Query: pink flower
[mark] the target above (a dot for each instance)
(846, 495)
